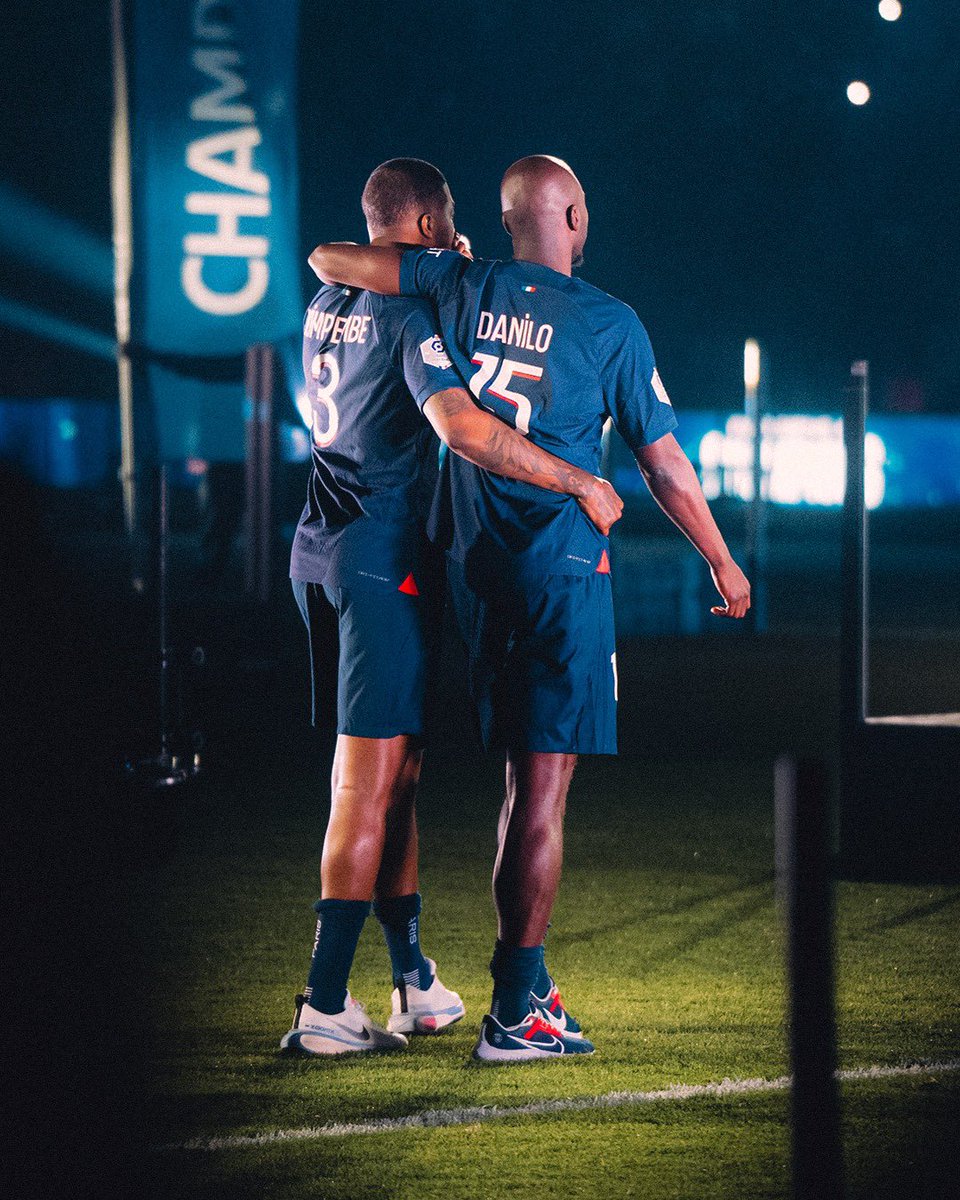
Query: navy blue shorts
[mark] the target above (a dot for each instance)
(386, 640)
(542, 661)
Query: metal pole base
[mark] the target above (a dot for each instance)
(166, 770)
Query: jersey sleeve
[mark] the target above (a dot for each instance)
(634, 396)
(434, 274)
(422, 356)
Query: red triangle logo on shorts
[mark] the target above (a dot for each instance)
(604, 567)
(409, 586)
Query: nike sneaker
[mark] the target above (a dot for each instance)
(532, 1038)
(419, 1010)
(347, 1032)
(551, 1009)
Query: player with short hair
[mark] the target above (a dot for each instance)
(371, 363)
(555, 358)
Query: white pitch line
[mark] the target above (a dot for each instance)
(441, 1118)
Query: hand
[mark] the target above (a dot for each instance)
(601, 503)
(734, 587)
(461, 243)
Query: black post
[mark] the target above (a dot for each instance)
(854, 646)
(803, 825)
(854, 665)
(259, 472)
(757, 518)
(163, 539)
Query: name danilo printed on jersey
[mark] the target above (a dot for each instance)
(515, 331)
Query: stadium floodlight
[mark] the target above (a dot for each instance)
(890, 10)
(858, 93)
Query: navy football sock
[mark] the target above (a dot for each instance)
(543, 983)
(399, 918)
(339, 924)
(514, 970)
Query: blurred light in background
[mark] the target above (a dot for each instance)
(890, 10)
(751, 363)
(56, 329)
(803, 459)
(55, 244)
(858, 93)
(304, 407)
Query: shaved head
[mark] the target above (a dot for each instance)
(543, 201)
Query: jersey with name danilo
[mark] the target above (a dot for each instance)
(555, 358)
(370, 363)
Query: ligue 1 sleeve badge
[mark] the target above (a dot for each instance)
(434, 352)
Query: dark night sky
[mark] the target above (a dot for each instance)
(733, 189)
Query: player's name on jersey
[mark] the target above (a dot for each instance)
(326, 326)
(514, 331)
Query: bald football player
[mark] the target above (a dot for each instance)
(555, 358)
(371, 366)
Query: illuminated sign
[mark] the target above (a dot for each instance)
(803, 458)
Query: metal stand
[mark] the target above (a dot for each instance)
(172, 765)
(804, 876)
(259, 473)
(756, 532)
(854, 664)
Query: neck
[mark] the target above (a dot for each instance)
(398, 237)
(541, 248)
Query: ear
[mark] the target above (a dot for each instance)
(573, 218)
(506, 223)
(425, 225)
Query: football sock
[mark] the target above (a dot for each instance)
(514, 970)
(543, 983)
(399, 918)
(339, 924)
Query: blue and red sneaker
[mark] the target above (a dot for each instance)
(550, 1007)
(532, 1038)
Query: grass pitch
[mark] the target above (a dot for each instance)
(666, 943)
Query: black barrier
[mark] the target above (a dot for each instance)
(803, 798)
(899, 775)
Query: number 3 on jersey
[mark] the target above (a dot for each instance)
(487, 364)
(321, 396)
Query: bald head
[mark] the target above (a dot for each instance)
(544, 204)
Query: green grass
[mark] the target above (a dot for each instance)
(666, 942)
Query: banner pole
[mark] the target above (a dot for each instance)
(122, 204)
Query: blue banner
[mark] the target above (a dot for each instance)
(216, 255)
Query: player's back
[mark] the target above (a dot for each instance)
(555, 357)
(374, 455)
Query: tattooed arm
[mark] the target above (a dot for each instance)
(482, 439)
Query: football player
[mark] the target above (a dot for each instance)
(555, 358)
(371, 364)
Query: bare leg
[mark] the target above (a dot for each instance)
(371, 776)
(398, 868)
(530, 844)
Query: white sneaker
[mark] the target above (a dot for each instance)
(347, 1032)
(416, 1010)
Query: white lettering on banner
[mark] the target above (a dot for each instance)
(211, 106)
(225, 157)
(204, 157)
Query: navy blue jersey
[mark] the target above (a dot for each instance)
(554, 357)
(370, 363)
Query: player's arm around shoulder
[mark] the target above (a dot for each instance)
(374, 268)
(487, 442)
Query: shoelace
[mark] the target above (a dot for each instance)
(539, 1025)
